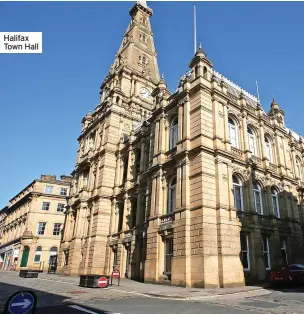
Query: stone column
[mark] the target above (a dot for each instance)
(156, 137)
(118, 170)
(116, 218)
(130, 164)
(179, 191)
(142, 156)
(162, 135)
(180, 121)
(269, 201)
(113, 218)
(67, 227)
(226, 129)
(185, 202)
(293, 162)
(153, 193)
(140, 208)
(244, 135)
(159, 194)
(262, 143)
(230, 189)
(186, 124)
(121, 171)
(132, 86)
(280, 155)
(126, 212)
(136, 88)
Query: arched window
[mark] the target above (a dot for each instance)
(299, 168)
(275, 202)
(268, 149)
(251, 141)
(38, 254)
(257, 195)
(172, 195)
(196, 71)
(237, 193)
(173, 133)
(205, 73)
(233, 133)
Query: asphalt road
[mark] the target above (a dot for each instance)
(138, 306)
(62, 295)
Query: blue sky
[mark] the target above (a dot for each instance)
(43, 97)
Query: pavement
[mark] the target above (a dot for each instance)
(154, 290)
(61, 294)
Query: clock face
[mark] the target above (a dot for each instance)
(144, 93)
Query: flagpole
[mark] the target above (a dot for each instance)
(194, 29)
(257, 87)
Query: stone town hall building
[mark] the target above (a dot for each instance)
(200, 187)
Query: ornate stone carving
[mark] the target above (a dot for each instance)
(244, 173)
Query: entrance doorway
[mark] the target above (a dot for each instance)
(25, 255)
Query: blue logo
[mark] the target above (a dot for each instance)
(21, 303)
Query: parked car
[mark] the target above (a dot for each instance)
(287, 274)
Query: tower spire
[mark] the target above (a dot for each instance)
(137, 51)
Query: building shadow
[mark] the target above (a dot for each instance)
(271, 221)
(46, 302)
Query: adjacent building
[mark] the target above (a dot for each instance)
(201, 187)
(31, 225)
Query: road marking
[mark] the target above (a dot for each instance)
(79, 308)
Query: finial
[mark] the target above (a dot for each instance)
(200, 45)
(162, 76)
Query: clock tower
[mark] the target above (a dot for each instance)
(134, 73)
(97, 186)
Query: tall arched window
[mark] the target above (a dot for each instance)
(275, 202)
(257, 195)
(205, 71)
(38, 254)
(233, 133)
(173, 133)
(172, 195)
(268, 149)
(299, 168)
(251, 141)
(237, 193)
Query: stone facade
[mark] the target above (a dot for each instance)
(200, 187)
(31, 225)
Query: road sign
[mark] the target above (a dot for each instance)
(115, 273)
(21, 302)
(102, 282)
